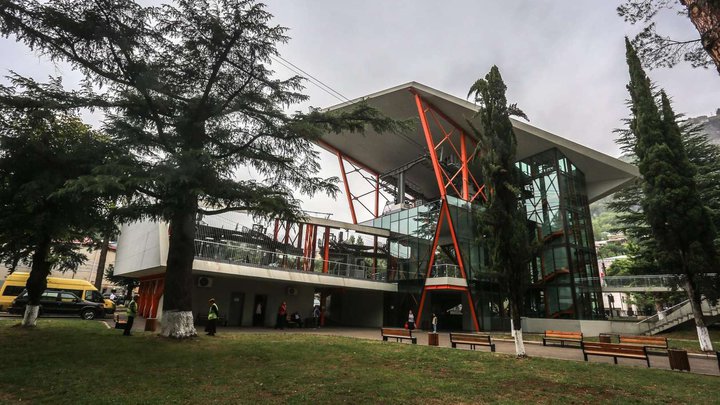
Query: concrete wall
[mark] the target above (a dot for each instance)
(223, 287)
(587, 327)
(141, 246)
(351, 307)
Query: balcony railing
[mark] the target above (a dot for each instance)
(248, 256)
(446, 270)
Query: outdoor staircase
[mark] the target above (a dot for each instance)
(677, 315)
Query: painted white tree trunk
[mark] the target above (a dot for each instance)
(31, 314)
(177, 324)
(704, 338)
(519, 344)
(512, 328)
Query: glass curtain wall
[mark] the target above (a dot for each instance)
(564, 275)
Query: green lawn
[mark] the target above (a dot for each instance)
(83, 362)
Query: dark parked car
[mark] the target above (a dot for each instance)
(60, 302)
(119, 298)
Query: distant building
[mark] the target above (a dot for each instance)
(710, 125)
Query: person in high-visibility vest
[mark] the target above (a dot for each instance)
(132, 309)
(213, 314)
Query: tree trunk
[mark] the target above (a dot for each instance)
(517, 326)
(37, 281)
(177, 317)
(101, 262)
(696, 304)
(705, 15)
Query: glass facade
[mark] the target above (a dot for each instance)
(564, 275)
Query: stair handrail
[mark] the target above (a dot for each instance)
(666, 312)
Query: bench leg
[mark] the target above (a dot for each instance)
(454, 345)
(615, 358)
(543, 341)
(492, 347)
(384, 338)
(647, 358)
(414, 341)
(472, 347)
(585, 356)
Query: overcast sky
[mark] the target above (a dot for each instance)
(563, 61)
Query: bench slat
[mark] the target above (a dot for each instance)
(398, 334)
(562, 337)
(615, 350)
(649, 341)
(472, 340)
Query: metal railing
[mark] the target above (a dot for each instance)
(645, 281)
(248, 256)
(445, 270)
(665, 314)
(676, 314)
(640, 281)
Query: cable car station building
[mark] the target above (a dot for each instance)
(412, 243)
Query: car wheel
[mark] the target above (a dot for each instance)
(87, 314)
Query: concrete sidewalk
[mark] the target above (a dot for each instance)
(699, 363)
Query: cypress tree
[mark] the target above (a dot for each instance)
(681, 225)
(503, 222)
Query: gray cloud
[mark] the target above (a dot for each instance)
(563, 62)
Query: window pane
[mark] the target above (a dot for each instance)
(13, 290)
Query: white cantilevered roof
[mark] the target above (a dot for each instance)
(383, 152)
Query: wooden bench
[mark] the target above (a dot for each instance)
(562, 337)
(397, 334)
(471, 339)
(649, 342)
(615, 350)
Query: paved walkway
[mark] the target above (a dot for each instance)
(700, 364)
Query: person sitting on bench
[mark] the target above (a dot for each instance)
(296, 318)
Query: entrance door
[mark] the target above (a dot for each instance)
(447, 305)
(237, 301)
(259, 310)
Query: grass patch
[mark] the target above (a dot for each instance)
(64, 361)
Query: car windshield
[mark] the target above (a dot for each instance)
(93, 296)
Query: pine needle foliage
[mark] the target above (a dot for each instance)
(187, 88)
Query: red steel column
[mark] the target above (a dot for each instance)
(347, 187)
(431, 261)
(299, 243)
(464, 158)
(326, 252)
(431, 146)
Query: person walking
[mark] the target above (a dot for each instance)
(316, 316)
(434, 323)
(411, 320)
(132, 309)
(213, 315)
(281, 316)
(258, 321)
